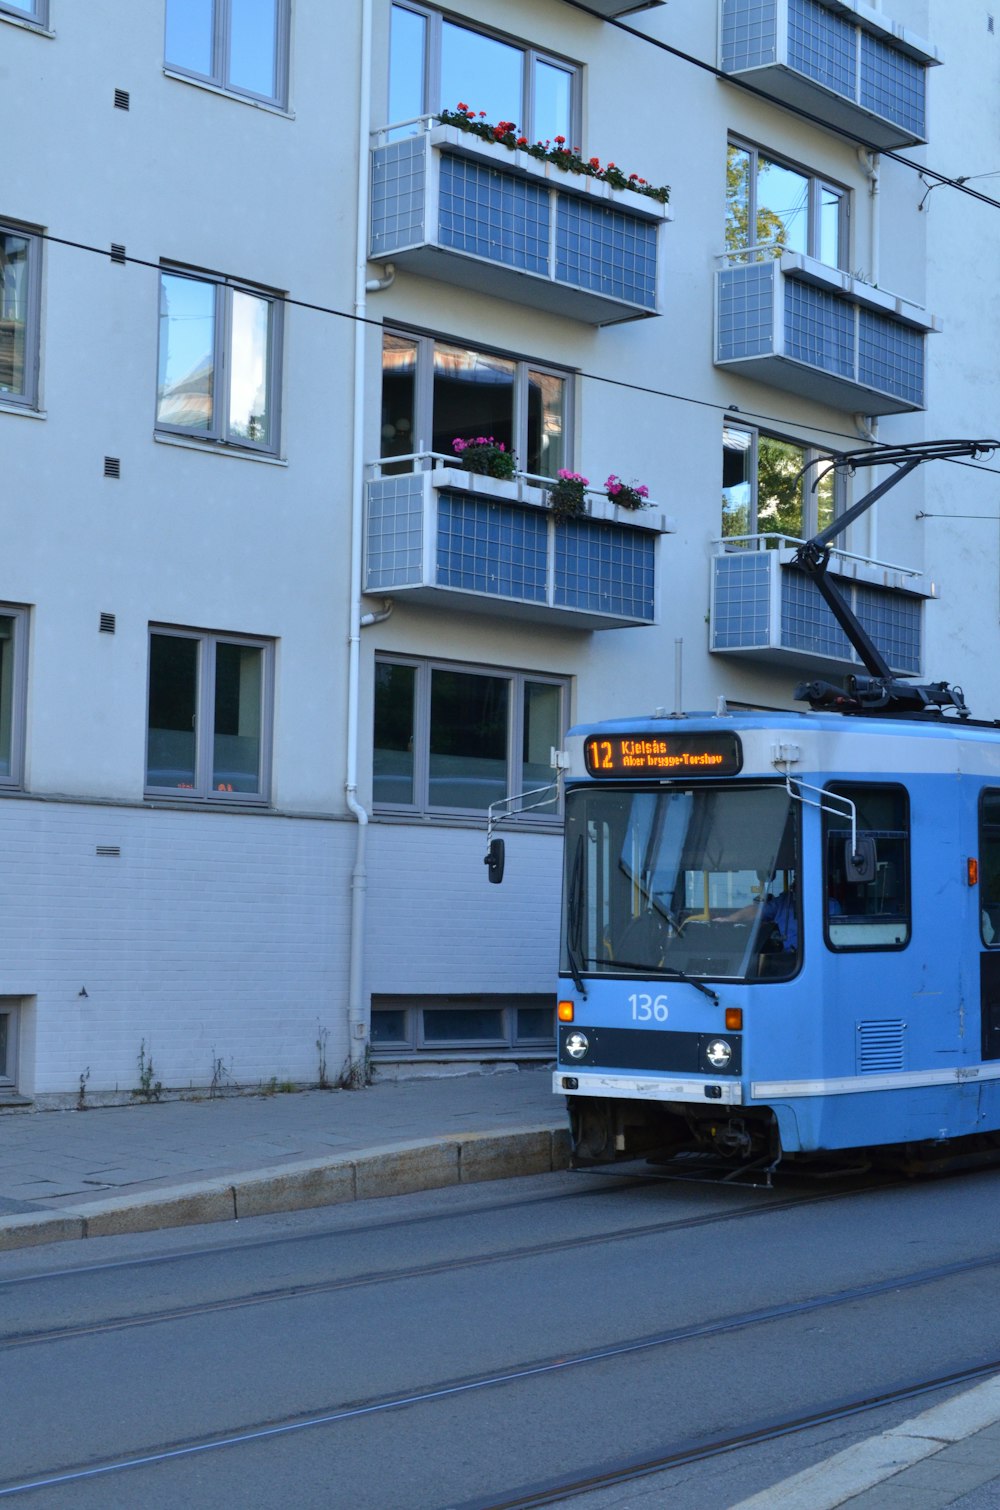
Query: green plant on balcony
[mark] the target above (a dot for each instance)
(627, 495)
(569, 159)
(566, 496)
(485, 456)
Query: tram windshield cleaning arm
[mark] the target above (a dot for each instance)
(881, 691)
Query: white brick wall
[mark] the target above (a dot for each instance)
(212, 936)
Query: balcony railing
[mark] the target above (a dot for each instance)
(795, 323)
(841, 60)
(449, 205)
(455, 539)
(765, 609)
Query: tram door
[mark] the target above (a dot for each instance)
(989, 921)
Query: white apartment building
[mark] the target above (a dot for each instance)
(269, 649)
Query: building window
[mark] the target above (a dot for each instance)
(509, 1025)
(26, 10)
(766, 492)
(450, 739)
(219, 363)
(434, 393)
(872, 912)
(20, 255)
(436, 64)
(209, 720)
(8, 1044)
(238, 45)
(772, 207)
(13, 693)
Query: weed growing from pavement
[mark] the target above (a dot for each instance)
(149, 1088)
(81, 1100)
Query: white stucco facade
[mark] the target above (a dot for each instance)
(202, 925)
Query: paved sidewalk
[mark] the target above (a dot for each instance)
(70, 1174)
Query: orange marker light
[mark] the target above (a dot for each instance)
(734, 1019)
(564, 1011)
(973, 865)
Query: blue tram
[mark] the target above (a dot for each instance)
(781, 935)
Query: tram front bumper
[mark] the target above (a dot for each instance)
(724, 1092)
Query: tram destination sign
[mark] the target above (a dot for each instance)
(711, 754)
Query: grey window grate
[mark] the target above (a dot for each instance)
(122, 99)
(107, 623)
(113, 850)
(112, 466)
(118, 251)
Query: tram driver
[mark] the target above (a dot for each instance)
(779, 911)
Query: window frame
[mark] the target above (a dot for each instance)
(517, 679)
(202, 791)
(220, 435)
(423, 394)
(834, 821)
(810, 454)
(221, 56)
(507, 1044)
(432, 68)
(818, 182)
(33, 324)
(14, 780)
(35, 14)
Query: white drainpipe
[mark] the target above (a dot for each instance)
(358, 1025)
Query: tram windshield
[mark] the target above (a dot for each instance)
(698, 882)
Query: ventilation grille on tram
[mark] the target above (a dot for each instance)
(880, 1046)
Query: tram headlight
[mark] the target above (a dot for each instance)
(577, 1045)
(718, 1053)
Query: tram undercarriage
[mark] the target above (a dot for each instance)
(606, 1131)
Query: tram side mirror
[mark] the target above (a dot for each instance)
(493, 860)
(860, 864)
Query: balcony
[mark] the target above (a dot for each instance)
(765, 609)
(458, 540)
(794, 323)
(609, 9)
(840, 60)
(451, 206)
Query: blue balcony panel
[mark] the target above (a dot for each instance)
(450, 206)
(795, 324)
(765, 609)
(840, 60)
(454, 540)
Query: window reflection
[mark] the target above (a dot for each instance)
(239, 688)
(482, 72)
(542, 723)
(173, 702)
(187, 353)
(392, 776)
(248, 382)
(470, 393)
(189, 35)
(13, 311)
(468, 739)
(407, 66)
(737, 488)
(6, 692)
(473, 395)
(254, 46)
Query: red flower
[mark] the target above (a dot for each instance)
(522, 141)
(595, 162)
(560, 141)
(461, 106)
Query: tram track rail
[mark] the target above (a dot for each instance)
(401, 1274)
(554, 1491)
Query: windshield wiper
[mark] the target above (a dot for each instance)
(654, 970)
(574, 913)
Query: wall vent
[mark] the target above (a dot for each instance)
(118, 251)
(107, 623)
(122, 99)
(114, 850)
(112, 466)
(880, 1046)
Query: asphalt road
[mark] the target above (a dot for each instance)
(464, 1347)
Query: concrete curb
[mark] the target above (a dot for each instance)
(880, 1459)
(393, 1169)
